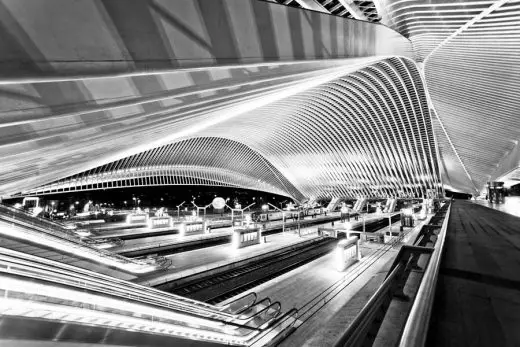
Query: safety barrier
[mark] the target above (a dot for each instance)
(363, 330)
(68, 241)
(416, 328)
(243, 237)
(347, 252)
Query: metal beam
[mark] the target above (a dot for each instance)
(354, 10)
(312, 5)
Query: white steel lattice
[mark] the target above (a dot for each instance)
(471, 60)
(367, 133)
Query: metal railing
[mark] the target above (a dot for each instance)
(61, 274)
(363, 330)
(32, 298)
(70, 243)
(416, 328)
(70, 275)
(50, 288)
(43, 221)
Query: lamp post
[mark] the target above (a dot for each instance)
(238, 210)
(179, 208)
(201, 208)
(299, 209)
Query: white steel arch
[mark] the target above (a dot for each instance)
(358, 135)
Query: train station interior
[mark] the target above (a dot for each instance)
(259, 173)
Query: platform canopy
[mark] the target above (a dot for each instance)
(308, 100)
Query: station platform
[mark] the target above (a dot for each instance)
(477, 300)
(327, 299)
(511, 205)
(151, 242)
(192, 262)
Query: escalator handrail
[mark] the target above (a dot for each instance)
(266, 300)
(256, 314)
(36, 218)
(69, 240)
(244, 333)
(212, 319)
(229, 304)
(129, 287)
(292, 313)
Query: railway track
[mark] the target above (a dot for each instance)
(219, 287)
(227, 284)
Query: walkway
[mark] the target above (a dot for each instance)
(511, 205)
(477, 301)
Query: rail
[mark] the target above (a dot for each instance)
(10, 266)
(416, 327)
(73, 276)
(278, 330)
(27, 297)
(72, 244)
(26, 214)
(358, 329)
(29, 285)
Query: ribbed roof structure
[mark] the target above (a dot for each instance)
(471, 56)
(297, 100)
(367, 133)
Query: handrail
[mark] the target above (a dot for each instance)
(74, 243)
(227, 307)
(25, 213)
(13, 269)
(116, 286)
(265, 338)
(39, 297)
(416, 329)
(8, 269)
(276, 306)
(356, 328)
